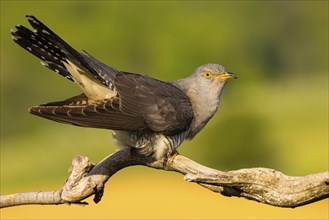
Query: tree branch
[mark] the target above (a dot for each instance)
(259, 184)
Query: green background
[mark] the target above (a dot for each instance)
(275, 115)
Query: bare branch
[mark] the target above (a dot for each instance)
(259, 184)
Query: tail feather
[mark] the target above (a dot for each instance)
(56, 42)
(55, 53)
(51, 56)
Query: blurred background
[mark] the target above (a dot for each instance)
(275, 115)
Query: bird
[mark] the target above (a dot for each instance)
(150, 116)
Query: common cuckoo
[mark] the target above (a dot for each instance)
(143, 113)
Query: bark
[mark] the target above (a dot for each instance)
(259, 184)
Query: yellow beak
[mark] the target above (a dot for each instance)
(226, 75)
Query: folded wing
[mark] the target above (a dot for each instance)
(142, 104)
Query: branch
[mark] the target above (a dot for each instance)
(259, 184)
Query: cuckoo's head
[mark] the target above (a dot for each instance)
(211, 77)
(212, 73)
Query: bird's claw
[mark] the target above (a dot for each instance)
(169, 158)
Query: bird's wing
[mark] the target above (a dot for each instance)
(142, 104)
(80, 112)
(163, 106)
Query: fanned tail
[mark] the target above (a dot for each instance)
(54, 52)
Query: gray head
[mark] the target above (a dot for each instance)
(208, 78)
(212, 73)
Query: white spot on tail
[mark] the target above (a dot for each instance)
(45, 32)
(44, 64)
(13, 30)
(14, 37)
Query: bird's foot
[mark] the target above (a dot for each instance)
(169, 158)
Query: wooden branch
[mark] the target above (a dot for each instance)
(259, 184)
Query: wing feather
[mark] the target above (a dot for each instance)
(164, 107)
(104, 114)
(142, 104)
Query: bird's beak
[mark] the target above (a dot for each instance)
(232, 75)
(226, 75)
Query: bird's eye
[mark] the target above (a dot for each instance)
(207, 75)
